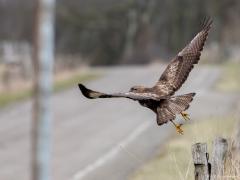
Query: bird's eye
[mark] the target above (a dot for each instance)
(133, 89)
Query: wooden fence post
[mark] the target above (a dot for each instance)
(220, 147)
(200, 160)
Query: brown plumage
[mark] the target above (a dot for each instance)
(159, 98)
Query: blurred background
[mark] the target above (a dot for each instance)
(112, 45)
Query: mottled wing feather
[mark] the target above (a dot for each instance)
(178, 70)
(138, 96)
(178, 104)
(163, 88)
(131, 95)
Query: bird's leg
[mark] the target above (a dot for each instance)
(178, 127)
(185, 116)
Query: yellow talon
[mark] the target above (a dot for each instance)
(178, 127)
(185, 116)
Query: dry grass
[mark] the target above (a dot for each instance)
(175, 161)
(230, 80)
(60, 83)
(232, 167)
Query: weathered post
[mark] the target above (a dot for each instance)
(200, 160)
(220, 147)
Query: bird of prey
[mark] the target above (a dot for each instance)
(160, 98)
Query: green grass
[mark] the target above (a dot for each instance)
(73, 81)
(230, 79)
(10, 97)
(7, 98)
(175, 161)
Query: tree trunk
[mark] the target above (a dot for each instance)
(43, 57)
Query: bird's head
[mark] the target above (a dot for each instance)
(137, 89)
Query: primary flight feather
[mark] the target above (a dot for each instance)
(160, 98)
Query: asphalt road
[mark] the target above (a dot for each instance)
(102, 139)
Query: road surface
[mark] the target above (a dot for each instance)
(102, 139)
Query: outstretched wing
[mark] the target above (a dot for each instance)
(178, 70)
(131, 95)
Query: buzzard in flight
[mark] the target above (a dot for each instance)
(160, 98)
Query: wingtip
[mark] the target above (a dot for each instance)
(81, 86)
(207, 23)
(84, 90)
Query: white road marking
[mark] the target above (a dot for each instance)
(112, 152)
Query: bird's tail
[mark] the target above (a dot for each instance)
(178, 104)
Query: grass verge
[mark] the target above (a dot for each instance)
(59, 85)
(230, 79)
(175, 161)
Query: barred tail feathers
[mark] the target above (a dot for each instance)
(173, 106)
(178, 104)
